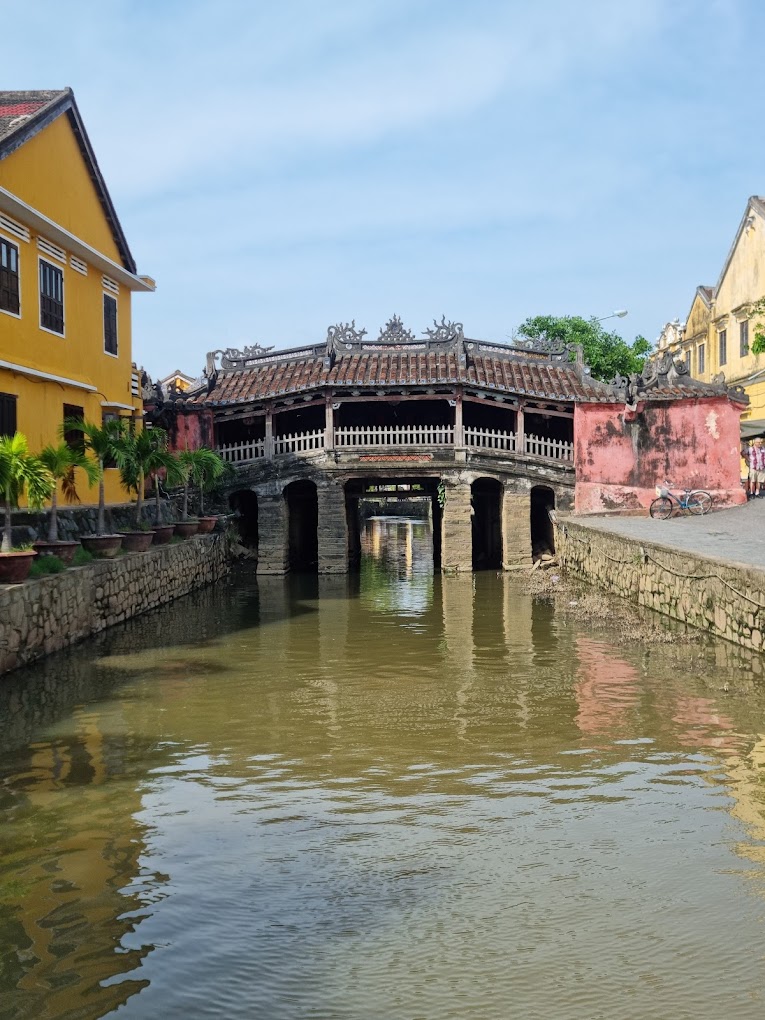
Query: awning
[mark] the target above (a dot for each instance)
(749, 429)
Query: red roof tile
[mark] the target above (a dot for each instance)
(394, 370)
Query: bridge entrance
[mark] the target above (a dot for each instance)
(486, 523)
(365, 498)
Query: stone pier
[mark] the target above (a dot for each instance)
(273, 545)
(332, 529)
(516, 529)
(456, 529)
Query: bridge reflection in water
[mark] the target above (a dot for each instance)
(392, 794)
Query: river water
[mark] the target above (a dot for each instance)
(395, 796)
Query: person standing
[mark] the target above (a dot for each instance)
(757, 468)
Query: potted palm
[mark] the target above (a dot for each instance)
(202, 467)
(156, 459)
(20, 472)
(62, 460)
(132, 454)
(102, 441)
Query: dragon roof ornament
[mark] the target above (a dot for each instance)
(663, 372)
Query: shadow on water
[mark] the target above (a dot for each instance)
(270, 796)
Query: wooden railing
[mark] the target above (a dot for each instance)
(240, 453)
(490, 439)
(550, 449)
(381, 436)
(394, 435)
(299, 442)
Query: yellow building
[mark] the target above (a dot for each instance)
(66, 279)
(717, 334)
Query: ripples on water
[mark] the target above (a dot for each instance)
(395, 796)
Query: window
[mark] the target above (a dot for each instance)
(110, 324)
(7, 414)
(688, 360)
(73, 438)
(722, 337)
(743, 338)
(9, 277)
(51, 298)
(700, 358)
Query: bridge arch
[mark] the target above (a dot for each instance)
(486, 523)
(302, 504)
(244, 503)
(542, 532)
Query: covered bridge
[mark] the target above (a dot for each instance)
(495, 434)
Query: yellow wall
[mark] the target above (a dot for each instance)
(742, 283)
(48, 172)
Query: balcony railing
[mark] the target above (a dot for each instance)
(396, 436)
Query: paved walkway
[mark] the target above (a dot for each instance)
(733, 536)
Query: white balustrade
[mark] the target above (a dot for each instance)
(382, 436)
(241, 453)
(490, 439)
(350, 437)
(299, 442)
(549, 449)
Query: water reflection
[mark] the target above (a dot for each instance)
(404, 795)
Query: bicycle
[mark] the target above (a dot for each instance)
(695, 501)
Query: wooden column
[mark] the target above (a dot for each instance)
(459, 431)
(516, 529)
(273, 546)
(520, 430)
(268, 448)
(333, 529)
(329, 424)
(457, 529)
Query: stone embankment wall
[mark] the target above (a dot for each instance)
(726, 599)
(49, 613)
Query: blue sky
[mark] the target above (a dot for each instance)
(282, 166)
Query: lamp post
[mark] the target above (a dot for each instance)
(613, 315)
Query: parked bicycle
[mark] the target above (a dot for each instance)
(695, 501)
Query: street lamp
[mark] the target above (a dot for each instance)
(618, 315)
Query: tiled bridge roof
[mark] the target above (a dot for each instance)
(399, 361)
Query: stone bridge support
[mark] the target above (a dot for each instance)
(457, 529)
(333, 529)
(273, 545)
(516, 529)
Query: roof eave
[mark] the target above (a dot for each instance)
(41, 224)
(36, 123)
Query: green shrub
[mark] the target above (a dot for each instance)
(81, 557)
(46, 565)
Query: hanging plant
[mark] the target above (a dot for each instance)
(441, 494)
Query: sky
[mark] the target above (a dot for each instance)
(279, 167)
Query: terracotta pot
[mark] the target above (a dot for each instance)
(186, 529)
(104, 547)
(14, 566)
(137, 541)
(163, 533)
(206, 525)
(64, 550)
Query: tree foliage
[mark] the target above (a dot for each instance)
(757, 311)
(62, 461)
(607, 353)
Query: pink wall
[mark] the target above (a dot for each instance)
(620, 456)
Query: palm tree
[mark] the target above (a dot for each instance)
(203, 467)
(62, 461)
(20, 470)
(142, 455)
(103, 442)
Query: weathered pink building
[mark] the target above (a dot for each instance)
(661, 426)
